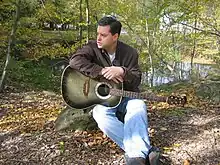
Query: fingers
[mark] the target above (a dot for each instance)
(109, 75)
(120, 79)
(112, 72)
(117, 80)
(104, 70)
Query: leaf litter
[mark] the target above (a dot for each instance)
(185, 135)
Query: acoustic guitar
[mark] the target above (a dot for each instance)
(81, 92)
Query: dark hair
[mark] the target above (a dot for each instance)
(115, 25)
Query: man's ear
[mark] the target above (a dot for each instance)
(115, 36)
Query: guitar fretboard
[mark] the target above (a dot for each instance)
(145, 96)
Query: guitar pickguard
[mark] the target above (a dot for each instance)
(86, 87)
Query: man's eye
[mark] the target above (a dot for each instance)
(103, 35)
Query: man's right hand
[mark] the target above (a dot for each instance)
(113, 73)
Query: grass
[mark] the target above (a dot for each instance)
(176, 112)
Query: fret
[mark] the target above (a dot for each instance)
(135, 95)
(121, 93)
(127, 94)
(139, 95)
(132, 94)
(142, 96)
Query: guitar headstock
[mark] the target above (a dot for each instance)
(177, 100)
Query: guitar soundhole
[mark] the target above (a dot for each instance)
(103, 90)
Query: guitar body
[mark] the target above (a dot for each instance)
(80, 91)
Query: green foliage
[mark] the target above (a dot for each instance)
(30, 74)
(55, 50)
(34, 43)
(58, 12)
(29, 7)
(6, 11)
(176, 112)
(161, 29)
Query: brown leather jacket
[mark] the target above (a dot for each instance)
(90, 60)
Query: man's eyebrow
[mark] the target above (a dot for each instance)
(103, 33)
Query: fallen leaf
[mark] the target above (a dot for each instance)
(186, 162)
(163, 129)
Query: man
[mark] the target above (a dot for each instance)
(127, 124)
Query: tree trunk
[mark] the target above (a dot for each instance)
(152, 28)
(194, 45)
(52, 25)
(10, 41)
(218, 46)
(87, 19)
(150, 38)
(150, 53)
(80, 20)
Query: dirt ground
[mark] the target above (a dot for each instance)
(185, 135)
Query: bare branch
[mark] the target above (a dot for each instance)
(205, 31)
(217, 33)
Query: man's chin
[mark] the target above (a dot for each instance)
(99, 46)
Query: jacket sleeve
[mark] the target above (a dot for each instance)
(82, 61)
(132, 75)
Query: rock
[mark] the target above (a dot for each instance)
(74, 119)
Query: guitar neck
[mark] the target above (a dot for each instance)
(144, 96)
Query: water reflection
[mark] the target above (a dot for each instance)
(182, 72)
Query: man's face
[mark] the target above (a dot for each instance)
(104, 37)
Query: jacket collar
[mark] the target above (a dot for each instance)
(117, 48)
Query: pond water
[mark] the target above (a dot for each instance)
(182, 73)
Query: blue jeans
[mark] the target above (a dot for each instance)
(132, 134)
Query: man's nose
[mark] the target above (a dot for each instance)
(98, 37)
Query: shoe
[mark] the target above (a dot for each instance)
(153, 156)
(135, 161)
